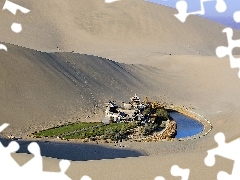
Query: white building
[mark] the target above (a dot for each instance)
(135, 100)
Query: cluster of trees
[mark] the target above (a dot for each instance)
(119, 132)
(155, 118)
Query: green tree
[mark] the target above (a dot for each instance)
(162, 113)
(147, 111)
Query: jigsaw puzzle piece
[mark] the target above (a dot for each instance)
(111, 1)
(88, 178)
(225, 176)
(64, 164)
(221, 6)
(157, 178)
(12, 7)
(33, 169)
(5, 125)
(3, 47)
(227, 150)
(177, 171)
(222, 51)
(210, 159)
(182, 15)
(236, 16)
(235, 171)
(7, 163)
(182, 7)
(34, 166)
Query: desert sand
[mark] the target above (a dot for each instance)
(72, 56)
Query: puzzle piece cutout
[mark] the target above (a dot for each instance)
(7, 163)
(177, 171)
(3, 126)
(34, 166)
(5, 156)
(222, 51)
(111, 1)
(39, 175)
(3, 47)
(159, 178)
(182, 7)
(236, 16)
(227, 150)
(12, 7)
(33, 169)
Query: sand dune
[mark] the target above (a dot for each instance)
(164, 58)
(39, 87)
(125, 31)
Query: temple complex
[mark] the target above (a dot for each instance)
(135, 100)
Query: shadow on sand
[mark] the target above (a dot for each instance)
(76, 152)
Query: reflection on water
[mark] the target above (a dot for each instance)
(186, 126)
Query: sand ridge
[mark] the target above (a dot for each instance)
(38, 87)
(125, 26)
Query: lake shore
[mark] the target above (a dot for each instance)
(184, 111)
(56, 147)
(207, 126)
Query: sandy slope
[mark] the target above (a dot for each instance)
(126, 30)
(36, 86)
(207, 84)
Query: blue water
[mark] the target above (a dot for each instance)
(186, 126)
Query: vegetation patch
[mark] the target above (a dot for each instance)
(64, 129)
(114, 131)
(135, 121)
(95, 131)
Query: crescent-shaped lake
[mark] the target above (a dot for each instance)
(186, 126)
